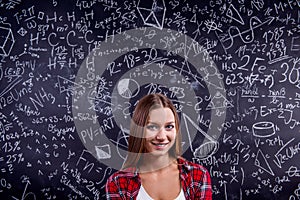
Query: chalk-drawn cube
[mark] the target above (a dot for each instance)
(6, 41)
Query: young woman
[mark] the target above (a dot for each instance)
(153, 168)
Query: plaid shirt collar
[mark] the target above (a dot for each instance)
(184, 168)
(184, 171)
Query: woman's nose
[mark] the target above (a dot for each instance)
(161, 134)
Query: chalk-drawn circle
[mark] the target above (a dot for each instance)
(263, 129)
(123, 43)
(128, 88)
(205, 149)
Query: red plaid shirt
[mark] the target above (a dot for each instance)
(194, 178)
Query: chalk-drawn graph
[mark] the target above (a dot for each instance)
(128, 88)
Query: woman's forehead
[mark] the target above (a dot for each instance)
(160, 115)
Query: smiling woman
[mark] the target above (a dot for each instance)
(154, 168)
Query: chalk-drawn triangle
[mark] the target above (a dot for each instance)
(144, 13)
(194, 18)
(152, 15)
(219, 101)
(234, 14)
(209, 145)
(261, 162)
(103, 152)
(254, 21)
(152, 20)
(66, 85)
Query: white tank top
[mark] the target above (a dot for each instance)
(143, 195)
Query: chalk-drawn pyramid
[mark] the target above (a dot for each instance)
(153, 13)
(103, 152)
(219, 101)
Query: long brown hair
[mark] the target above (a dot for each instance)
(136, 141)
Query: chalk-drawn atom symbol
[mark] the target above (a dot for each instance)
(111, 155)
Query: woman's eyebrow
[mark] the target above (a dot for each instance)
(158, 123)
(152, 122)
(171, 122)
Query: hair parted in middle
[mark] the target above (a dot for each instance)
(137, 140)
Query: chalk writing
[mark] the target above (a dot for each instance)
(70, 77)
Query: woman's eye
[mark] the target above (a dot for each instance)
(169, 127)
(152, 127)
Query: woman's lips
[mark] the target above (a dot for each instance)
(159, 145)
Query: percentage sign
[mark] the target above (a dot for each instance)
(16, 146)
(21, 158)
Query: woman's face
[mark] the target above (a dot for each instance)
(160, 131)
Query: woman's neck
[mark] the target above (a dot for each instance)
(155, 163)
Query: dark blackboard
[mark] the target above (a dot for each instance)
(71, 73)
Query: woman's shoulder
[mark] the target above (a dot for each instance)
(123, 174)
